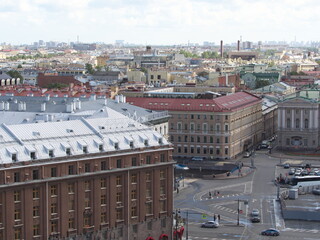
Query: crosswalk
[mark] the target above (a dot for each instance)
(300, 230)
(203, 198)
(226, 209)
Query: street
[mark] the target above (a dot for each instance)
(257, 188)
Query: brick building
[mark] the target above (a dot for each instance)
(102, 178)
(219, 128)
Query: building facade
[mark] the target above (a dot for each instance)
(85, 179)
(220, 128)
(298, 121)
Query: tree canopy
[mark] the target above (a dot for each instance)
(89, 68)
(15, 74)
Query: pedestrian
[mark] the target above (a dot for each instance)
(219, 217)
(177, 190)
(214, 217)
(209, 194)
(218, 193)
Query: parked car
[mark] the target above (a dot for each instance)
(265, 144)
(255, 219)
(255, 213)
(181, 167)
(210, 224)
(247, 154)
(286, 165)
(270, 232)
(304, 172)
(298, 172)
(315, 170)
(292, 171)
(316, 191)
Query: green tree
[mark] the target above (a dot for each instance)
(208, 54)
(188, 54)
(57, 85)
(19, 66)
(15, 74)
(89, 68)
(262, 83)
(98, 68)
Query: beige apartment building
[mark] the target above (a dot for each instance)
(220, 128)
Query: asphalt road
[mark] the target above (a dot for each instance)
(257, 188)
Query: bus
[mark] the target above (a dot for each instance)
(305, 181)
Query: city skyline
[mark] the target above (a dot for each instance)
(168, 23)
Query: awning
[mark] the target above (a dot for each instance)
(163, 237)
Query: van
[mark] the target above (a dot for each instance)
(197, 159)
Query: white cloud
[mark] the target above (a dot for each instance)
(166, 21)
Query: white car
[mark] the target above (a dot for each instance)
(315, 170)
(210, 224)
(255, 213)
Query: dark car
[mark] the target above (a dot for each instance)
(286, 165)
(270, 232)
(255, 219)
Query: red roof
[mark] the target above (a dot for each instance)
(222, 104)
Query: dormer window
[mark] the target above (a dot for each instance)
(51, 153)
(160, 141)
(14, 157)
(100, 147)
(85, 149)
(116, 146)
(68, 151)
(33, 155)
(146, 142)
(131, 144)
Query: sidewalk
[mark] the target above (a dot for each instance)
(295, 155)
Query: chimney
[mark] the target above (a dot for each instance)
(221, 49)
(238, 46)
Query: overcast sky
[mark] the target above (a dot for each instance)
(159, 21)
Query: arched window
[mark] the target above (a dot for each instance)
(306, 123)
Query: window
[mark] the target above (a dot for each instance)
(35, 174)
(103, 218)
(87, 202)
(218, 140)
(192, 116)
(118, 180)
(36, 230)
(71, 204)
(119, 197)
(53, 208)
(53, 190)
(148, 176)
(100, 147)
(33, 155)
(198, 139)
(70, 188)
(71, 170)
(288, 123)
(186, 138)
(226, 139)
(149, 225)
(179, 149)
(226, 128)
(288, 141)
(159, 76)
(51, 153)
(17, 214)
(134, 161)
(116, 146)
(204, 150)
(306, 123)
(103, 183)
(87, 221)
(198, 150)
(179, 126)
(185, 149)
(198, 127)
(151, 76)
(148, 159)
(87, 167)
(17, 233)
(103, 199)
(297, 123)
(71, 223)
(134, 178)
(54, 226)
(119, 214)
(36, 211)
(162, 188)
(218, 151)
(16, 177)
(179, 138)
(171, 126)
(205, 128)
(185, 126)
(198, 116)
(54, 172)
(162, 174)
(226, 150)
(305, 142)
(133, 194)
(191, 149)
(163, 223)
(149, 208)
(218, 127)
(211, 117)
(162, 206)
(131, 144)
(162, 157)
(211, 150)
(211, 139)
(192, 127)
(16, 196)
(86, 185)
(14, 157)
(35, 193)
(134, 211)
(192, 139)
(68, 151)
(148, 190)
(135, 228)
(119, 163)
(85, 149)
(103, 165)
(205, 139)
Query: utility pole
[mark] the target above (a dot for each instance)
(238, 223)
(187, 232)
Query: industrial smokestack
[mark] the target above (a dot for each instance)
(238, 46)
(221, 49)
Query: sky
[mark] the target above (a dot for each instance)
(159, 21)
